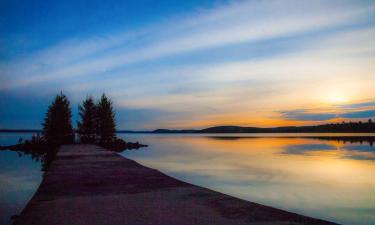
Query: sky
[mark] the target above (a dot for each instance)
(190, 64)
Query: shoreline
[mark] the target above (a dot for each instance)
(87, 184)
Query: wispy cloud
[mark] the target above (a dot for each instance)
(359, 114)
(228, 24)
(283, 55)
(308, 115)
(357, 105)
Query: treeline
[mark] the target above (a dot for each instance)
(344, 127)
(96, 123)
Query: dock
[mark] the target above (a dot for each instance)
(87, 184)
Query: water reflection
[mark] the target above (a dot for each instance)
(356, 150)
(369, 140)
(354, 147)
(323, 178)
(20, 176)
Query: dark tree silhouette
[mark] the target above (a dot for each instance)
(57, 126)
(106, 128)
(87, 124)
(97, 126)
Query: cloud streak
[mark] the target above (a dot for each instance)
(305, 115)
(225, 25)
(236, 60)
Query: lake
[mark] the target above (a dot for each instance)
(322, 178)
(20, 176)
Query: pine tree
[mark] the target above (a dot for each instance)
(106, 127)
(57, 126)
(87, 125)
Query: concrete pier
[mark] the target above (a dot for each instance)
(87, 184)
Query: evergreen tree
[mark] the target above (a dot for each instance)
(57, 126)
(87, 125)
(106, 127)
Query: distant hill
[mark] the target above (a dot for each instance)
(166, 131)
(345, 127)
(350, 127)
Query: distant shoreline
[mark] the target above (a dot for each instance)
(183, 132)
(20, 130)
(348, 127)
(198, 132)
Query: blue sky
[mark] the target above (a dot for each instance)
(190, 64)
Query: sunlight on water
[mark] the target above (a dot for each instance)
(326, 179)
(322, 178)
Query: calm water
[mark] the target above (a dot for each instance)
(324, 179)
(321, 178)
(20, 176)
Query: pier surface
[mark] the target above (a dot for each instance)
(87, 184)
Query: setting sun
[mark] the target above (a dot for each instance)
(124, 112)
(337, 98)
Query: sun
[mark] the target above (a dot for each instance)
(337, 98)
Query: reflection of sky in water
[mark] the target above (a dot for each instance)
(351, 151)
(319, 178)
(19, 178)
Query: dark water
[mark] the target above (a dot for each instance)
(327, 179)
(20, 176)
